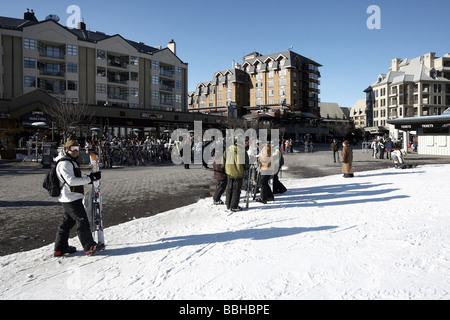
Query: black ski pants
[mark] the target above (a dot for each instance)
(233, 192)
(221, 187)
(266, 192)
(74, 214)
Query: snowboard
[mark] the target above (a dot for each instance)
(96, 213)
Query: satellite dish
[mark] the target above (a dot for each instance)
(53, 17)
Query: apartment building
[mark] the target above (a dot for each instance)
(84, 66)
(264, 84)
(225, 94)
(412, 88)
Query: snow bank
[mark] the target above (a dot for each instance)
(381, 235)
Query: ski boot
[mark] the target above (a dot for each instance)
(95, 248)
(68, 250)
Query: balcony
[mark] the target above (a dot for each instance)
(118, 61)
(51, 69)
(118, 77)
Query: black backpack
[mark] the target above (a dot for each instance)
(51, 181)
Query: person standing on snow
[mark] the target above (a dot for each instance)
(235, 162)
(221, 177)
(347, 159)
(265, 164)
(71, 199)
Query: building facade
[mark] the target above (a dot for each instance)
(226, 93)
(82, 66)
(263, 84)
(412, 88)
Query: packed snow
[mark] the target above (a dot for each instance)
(381, 235)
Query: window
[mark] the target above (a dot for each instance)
(72, 50)
(72, 85)
(101, 72)
(30, 82)
(178, 98)
(270, 93)
(29, 63)
(101, 88)
(134, 92)
(270, 84)
(101, 54)
(155, 79)
(270, 74)
(134, 76)
(134, 61)
(72, 67)
(155, 95)
(178, 70)
(155, 65)
(29, 44)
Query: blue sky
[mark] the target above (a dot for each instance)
(211, 34)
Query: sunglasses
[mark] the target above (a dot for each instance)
(74, 148)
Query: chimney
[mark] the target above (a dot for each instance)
(82, 25)
(172, 47)
(429, 59)
(395, 63)
(30, 16)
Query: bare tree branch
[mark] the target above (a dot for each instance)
(67, 115)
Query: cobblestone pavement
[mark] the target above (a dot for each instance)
(29, 217)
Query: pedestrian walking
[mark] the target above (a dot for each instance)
(335, 148)
(374, 147)
(347, 160)
(71, 198)
(381, 148)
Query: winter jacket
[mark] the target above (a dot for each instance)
(234, 164)
(219, 173)
(347, 158)
(70, 179)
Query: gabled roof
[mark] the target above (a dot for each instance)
(82, 35)
(290, 56)
(410, 70)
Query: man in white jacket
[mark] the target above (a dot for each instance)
(71, 198)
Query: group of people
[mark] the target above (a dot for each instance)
(380, 147)
(234, 166)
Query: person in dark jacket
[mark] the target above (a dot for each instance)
(221, 177)
(335, 148)
(388, 147)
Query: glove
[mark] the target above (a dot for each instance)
(95, 176)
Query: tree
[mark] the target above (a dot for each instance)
(69, 115)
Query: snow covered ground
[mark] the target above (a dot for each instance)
(381, 235)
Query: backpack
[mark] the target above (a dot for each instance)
(51, 181)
